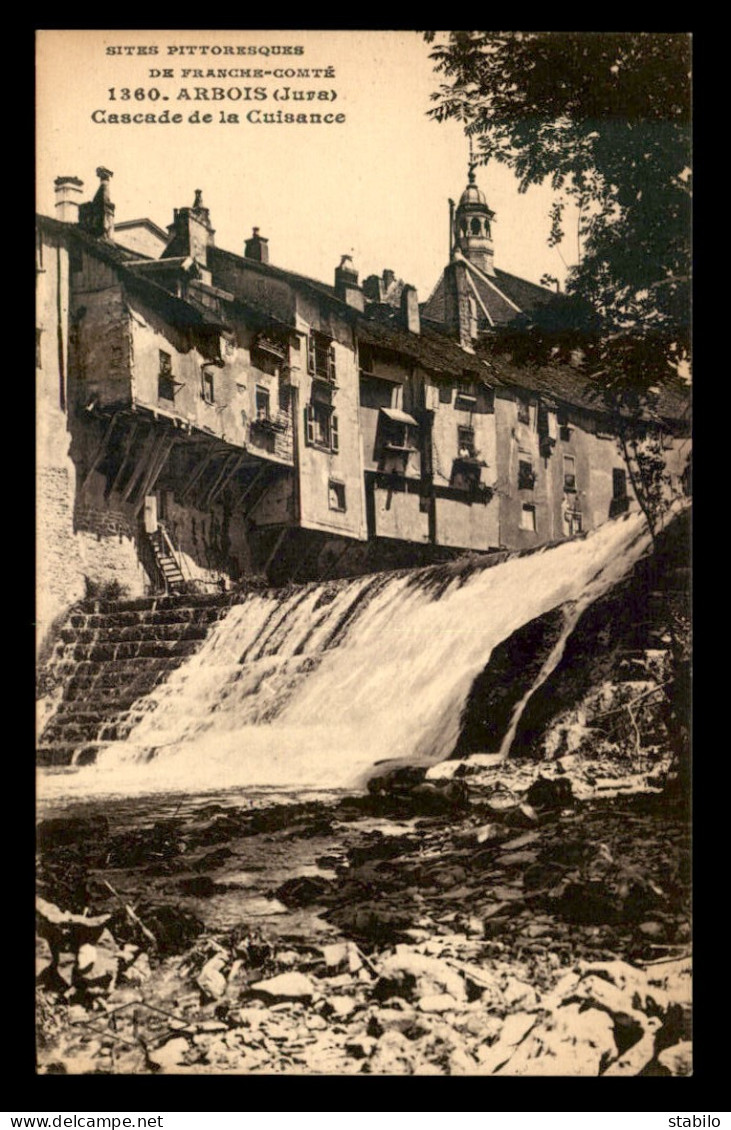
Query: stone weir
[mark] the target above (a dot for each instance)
(109, 655)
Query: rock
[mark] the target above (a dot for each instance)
(340, 1008)
(546, 793)
(372, 921)
(341, 956)
(413, 975)
(523, 816)
(98, 966)
(381, 847)
(210, 980)
(636, 1057)
(360, 1048)
(392, 1055)
(212, 860)
(485, 834)
(139, 971)
(285, 987)
(439, 1002)
(397, 780)
(170, 1054)
(304, 890)
(678, 1059)
(44, 957)
(572, 1041)
(59, 926)
(62, 831)
(652, 930)
(199, 886)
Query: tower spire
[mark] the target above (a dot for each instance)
(472, 233)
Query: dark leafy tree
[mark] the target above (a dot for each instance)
(604, 118)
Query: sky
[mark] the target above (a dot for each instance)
(375, 186)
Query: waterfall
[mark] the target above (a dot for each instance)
(313, 686)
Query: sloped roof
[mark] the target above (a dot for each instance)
(500, 299)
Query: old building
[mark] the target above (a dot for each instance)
(205, 416)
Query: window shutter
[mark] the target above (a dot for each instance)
(331, 364)
(309, 424)
(311, 354)
(334, 437)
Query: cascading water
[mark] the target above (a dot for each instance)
(314, 687)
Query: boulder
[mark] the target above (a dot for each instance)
(285, 987)
(547, 793)
(413, 976)
(304, 890)
(678, 1059)
(211, 980)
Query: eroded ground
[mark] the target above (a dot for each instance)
(489, 920)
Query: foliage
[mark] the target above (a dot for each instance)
(605, 118)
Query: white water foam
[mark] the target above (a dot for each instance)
(316, 687)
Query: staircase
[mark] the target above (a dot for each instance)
(164, 554)
(109, 656)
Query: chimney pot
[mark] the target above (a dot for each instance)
(68, 197)
(257, 247)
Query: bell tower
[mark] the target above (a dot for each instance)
(472, 226)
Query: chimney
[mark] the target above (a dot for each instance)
(346, 284)
(257, 247)
(372, 288)
(97, 216)
(388, 279)
(410, 309)
(68, 191)
(190, 233)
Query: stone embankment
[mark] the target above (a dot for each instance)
(108, 655)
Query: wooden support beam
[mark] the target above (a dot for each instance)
(250, 486)
(225, 466)
(129, 440)
(277, 544)
(216, 493)
(100, 451)
(156, 464)
(197, 475)
(142, 464)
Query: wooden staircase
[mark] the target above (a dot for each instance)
(165, 559)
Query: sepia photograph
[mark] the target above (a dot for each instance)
(363, 573)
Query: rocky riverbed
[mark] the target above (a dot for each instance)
(482, 918)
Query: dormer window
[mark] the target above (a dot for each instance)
(569, 473)
(321, 357)
(399, 431)
(523, 410)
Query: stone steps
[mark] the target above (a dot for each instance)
(109, 656)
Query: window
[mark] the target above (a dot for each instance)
(528, 517)
(207, 389)
(321, 427)
(523, 411)
(620, 500)
(526, 475)
(569, 473)
(375, 393)
(321, 357)
(619, 483)
(262, 403)
(571, 522)
(466, 442)
(564, 427)
(445, 394)
(336, 495)
(165, 379)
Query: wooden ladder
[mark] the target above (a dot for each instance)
(165, 559)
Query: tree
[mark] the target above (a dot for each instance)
(604, 117)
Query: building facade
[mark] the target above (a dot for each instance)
(205, 416)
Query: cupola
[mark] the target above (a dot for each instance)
(472, 230)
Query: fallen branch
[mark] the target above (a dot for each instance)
(634, 701)
(134, 917)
